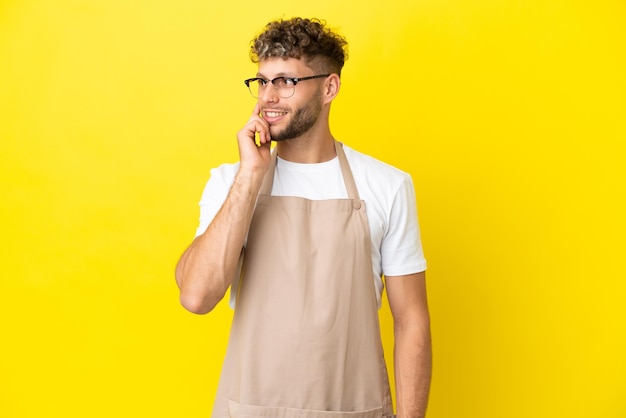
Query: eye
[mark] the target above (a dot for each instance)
(262, 82)
(283, 82)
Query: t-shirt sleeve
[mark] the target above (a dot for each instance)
(401, 249)
(214, 194)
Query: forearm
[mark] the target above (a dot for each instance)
(206, 269)
(413, 365)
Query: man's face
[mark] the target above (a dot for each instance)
(294, 116)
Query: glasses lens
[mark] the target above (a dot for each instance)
(285, 87)
(253, 86)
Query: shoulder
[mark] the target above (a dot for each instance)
(219, 183)
(225, 170)
(375, 173)
(224, 174)
(214, 193)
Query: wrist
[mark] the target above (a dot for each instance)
(250, 177)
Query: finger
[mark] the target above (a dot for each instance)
(257, 109)
(266, 125)
(257, 124)
(266, 135)
(262, 128)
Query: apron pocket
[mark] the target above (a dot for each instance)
(237, 410)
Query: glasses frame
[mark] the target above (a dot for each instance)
(294, 80)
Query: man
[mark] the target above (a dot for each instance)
(303, 235)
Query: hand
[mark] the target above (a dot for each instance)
(252, 155)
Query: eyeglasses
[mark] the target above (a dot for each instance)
(284, 86)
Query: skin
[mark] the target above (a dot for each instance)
(412, 349)
(300, 121)
(208, 266)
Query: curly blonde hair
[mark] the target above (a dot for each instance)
(309, 39)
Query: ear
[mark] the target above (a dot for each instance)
(331, 88)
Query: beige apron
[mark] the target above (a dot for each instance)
(305, 339)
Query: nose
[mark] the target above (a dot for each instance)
(268, 94)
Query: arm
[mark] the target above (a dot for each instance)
(412, 348)
(207, 268)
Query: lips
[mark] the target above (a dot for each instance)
(273, 115)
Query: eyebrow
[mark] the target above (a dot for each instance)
(286, 75)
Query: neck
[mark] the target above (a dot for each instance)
(313, 147)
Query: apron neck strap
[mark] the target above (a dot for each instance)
(268, 180)
(348, 179)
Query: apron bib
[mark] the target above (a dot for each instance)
(305, 339)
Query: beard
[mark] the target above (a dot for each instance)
(303, 120)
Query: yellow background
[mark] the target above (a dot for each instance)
(510, 115)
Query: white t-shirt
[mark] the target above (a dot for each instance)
(389, 201)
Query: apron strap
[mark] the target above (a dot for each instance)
(348, 179)
(268, 180)
(353, 193)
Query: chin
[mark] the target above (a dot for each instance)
(279, 139)
(279, 136)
